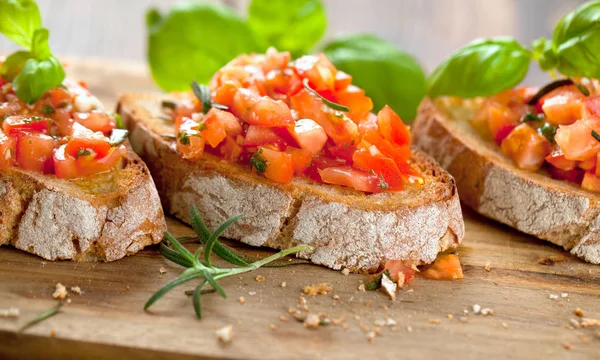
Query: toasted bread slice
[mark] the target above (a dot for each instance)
(489, 182)
(101, 217)
(346, 228)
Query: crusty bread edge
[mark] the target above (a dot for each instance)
(530, 202)
(341, 236)
(60, 225)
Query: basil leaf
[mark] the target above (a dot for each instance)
(481, 68)
(292, 25)
(39, 44)
(576, 42)
(18, 20)
(13, 64)
(194, 40)
(387, 74)
(37, 77)
(544, 54)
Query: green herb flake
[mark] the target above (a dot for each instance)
(169, 104)
(530, 117)
(548, 131)
(384, 185)
(258, 162)
(202, 126)
(48, 110)
(83, 152)
(330, 104)
(595, 135)
(184, 138)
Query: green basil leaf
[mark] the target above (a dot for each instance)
(387, 74)
(18, 20)
(13, 64)
(292, 25)
(544, 54)
(194, 40)
(481, 68)
(37, 77)
(576, 42)
(39, 44)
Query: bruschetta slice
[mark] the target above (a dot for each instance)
(293, 147)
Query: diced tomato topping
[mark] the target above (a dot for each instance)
(445, 267)
(399, 153)
(351, 177)
(65, 165)
(301, 159)
(8, 151)
(34, 152)
(189, 141)
(400, 273)
(590, 182)
(225, 94)
(258, 136)
(261, 111)
(319, 71)
(310, 135)
(230, 149)
(391, 126)
(280, 165)
(217, 125)
(96, 121)
(384, 167)
(592, 104)
(342, 80)
(576, 140)
(526, 147)
(15, 124)
(558, 160)
(84, 140)
(355, 99)
(574, 175)
(588, 164)
(342, 151)
(501, 121)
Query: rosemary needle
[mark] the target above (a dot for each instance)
(43, 316)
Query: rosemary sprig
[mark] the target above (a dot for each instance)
(202, 92)
(330, 104)
(173, 250)
(43, 316)
(595, 135)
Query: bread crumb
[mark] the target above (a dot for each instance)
(345, 272)
(409, 328)
(578, 312)
(60, 292)
(371, 337)
(312, 321)
(463, 319)
(379, 322)
(390, 322)
(488, 267)
(435, 321)
(584, 339)
(284, 318)
(450, 316)
(377, 331)
(568, 346)
(283, 284)
(553, 296)
(564, 295)
(242, 300)
(551, 260)
(300, 316)
(336, 297)
(162, 270)
(505, 325)
(338, 320)
(318, 289)
(486, 312)
(127, 287)
(273, 327)
(574, 323)
(389, 286)
(68, 300)
(260, 278)
(301, 300)
(52, 333)
(590, 323)
(361, 288)
(476, 309)
(10, 313)
(251, 293)
(225, 334)
(77, 290)
(292, 310)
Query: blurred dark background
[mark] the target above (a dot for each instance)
(430, 29)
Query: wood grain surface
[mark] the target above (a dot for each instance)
(108, 320)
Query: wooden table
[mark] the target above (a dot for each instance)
(108, 319)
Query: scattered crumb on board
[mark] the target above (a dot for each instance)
(60, 292)
(225, 334)
(12, 312)
(317, 289)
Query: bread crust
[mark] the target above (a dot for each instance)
(346, 228)
(101, 217)
(488, 182)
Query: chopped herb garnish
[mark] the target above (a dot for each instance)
(83, 152)
(584, 90)
(595, 135)
(376, 283)
(329, 104)
(169, 104)
(119, 121)
(202, 92)
(258, 162)
(548, 130)
(529, 116)
(117, 137)
(36, 118)
(203, 269)
(62, 105)
(184, 138)
(201, 126)
(43, 316)
(48, 110)
(382, 183)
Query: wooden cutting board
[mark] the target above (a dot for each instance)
(108, 319)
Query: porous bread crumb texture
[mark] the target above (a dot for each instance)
(343, 235)
(488, 182)
(57, 222)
